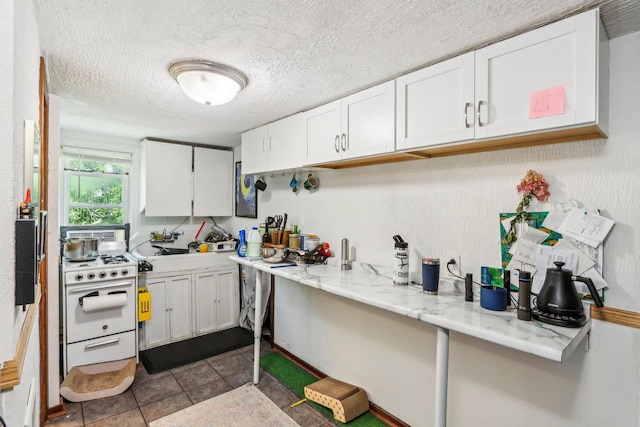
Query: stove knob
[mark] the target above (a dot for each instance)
(114, 273)
(102, 274)
(91, 276)
(79, 277)
(105, 327)
(124, 272)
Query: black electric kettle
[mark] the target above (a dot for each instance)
(558, 302)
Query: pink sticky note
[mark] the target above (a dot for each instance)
(547, 102)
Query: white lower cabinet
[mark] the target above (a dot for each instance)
(170, 310)
(216, 301)
(188, 304)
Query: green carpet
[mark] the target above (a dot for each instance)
(297, 378)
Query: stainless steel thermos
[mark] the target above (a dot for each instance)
(400, 261)
(524, 295)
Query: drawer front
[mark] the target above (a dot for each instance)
(104, 349)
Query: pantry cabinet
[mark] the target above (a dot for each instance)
(170, 310)
(362, 124)
(545, 85)
(181, 180)
(277, 146)
(190, 303)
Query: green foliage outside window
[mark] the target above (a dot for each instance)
(95, 192)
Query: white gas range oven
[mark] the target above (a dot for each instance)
(100, 307)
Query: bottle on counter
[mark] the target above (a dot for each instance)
(254, 242)
(242, 244)
(400, 261)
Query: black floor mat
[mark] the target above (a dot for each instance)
(180, 353)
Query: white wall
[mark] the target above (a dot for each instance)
(19, 67)
(450, 206)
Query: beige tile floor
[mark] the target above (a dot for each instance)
(154, 396)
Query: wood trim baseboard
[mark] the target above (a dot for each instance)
(12, 369)
(57, 411)
(616, 315)
(375, 410)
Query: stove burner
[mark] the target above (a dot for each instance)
(113, 259)
(557, 319)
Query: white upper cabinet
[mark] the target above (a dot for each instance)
(551, 81)
(166, 179)
(213, 176)
(277, 146)
(255, 154)
(555, 64)
(435, 105)
(174, 177)
(362, 124)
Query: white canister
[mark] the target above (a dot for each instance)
(400, 261)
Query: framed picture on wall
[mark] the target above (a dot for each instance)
(246, 197)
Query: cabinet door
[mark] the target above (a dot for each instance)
(368, 121)
(179, 304)
(213, 182)
(255, 157)
(324, 130)
(205, 302)
(436, 105)
(287, 143)
(561, 55)
(167, 181)
(156, 329)
(228, 299)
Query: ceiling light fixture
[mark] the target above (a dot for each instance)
(207, 82)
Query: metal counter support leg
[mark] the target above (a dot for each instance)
(442, 376)
(257, 334)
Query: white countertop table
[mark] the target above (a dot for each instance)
(448, 311)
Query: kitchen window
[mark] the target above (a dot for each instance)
(96, 186)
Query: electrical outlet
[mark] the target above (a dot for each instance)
(455, 267)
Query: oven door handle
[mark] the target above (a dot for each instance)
(78, 289)
(101, 343)
(92, 294)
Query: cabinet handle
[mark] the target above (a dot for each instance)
(269, 143)
(101, 343)
(479, 119)
(466, 108)
(337, 144)
(263, 145)
(344, 142)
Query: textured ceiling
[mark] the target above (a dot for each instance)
(108, 60)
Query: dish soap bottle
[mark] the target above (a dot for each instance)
(242, 245)
(253, 243)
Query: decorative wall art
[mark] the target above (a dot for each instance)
(246, 197)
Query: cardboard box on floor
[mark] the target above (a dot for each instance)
(347, 401)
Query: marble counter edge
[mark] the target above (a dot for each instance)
(560, 341)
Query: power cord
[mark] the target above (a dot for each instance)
(453, 262)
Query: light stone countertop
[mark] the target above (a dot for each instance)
(373, 286)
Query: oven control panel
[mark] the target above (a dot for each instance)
(100, 274)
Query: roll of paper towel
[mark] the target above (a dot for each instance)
(103, 302)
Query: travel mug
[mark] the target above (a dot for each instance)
(430, 275)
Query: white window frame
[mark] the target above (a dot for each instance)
(66, 204)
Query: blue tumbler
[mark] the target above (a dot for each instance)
(430, 275)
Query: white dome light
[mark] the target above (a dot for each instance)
(208, 83)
